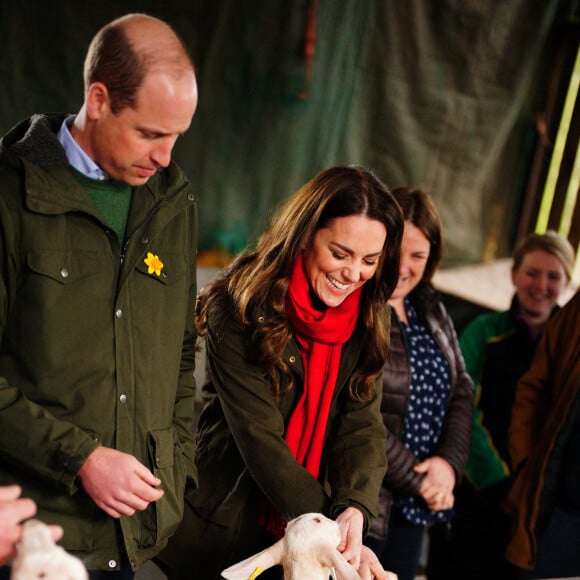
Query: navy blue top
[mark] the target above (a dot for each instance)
(429, 391)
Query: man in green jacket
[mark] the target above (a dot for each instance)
(98, 233)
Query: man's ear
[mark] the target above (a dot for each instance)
(97, 100)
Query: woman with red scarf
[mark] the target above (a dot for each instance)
(297, 334)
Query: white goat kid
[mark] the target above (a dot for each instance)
(308, 551)
(37, 556)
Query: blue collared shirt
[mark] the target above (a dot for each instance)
(75, 155)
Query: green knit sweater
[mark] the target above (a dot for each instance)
(112, 200)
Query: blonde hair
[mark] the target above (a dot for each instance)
(550, 242)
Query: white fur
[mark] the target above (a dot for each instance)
(37, 556)
(308, 551)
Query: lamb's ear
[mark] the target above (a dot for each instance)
(333, 558)
(253, 566)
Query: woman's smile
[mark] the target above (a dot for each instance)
(342, 256)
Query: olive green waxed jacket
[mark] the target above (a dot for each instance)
(242, 455)
(96, 349)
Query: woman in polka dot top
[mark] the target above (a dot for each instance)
(427, 398)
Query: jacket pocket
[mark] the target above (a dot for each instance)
(166, 462)
(63, 266)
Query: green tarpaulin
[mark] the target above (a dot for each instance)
(440, 94)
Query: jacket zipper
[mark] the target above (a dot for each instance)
(153, 210)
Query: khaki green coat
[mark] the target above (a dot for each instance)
(95, 349)
(242, 454)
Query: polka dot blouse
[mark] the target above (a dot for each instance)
(429, 391)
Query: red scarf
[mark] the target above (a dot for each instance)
(320, 336)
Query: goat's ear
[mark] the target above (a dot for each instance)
(332, 558)
(253, 566)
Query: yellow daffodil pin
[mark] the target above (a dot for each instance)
(153, 263)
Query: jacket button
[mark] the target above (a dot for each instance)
(64, 273)
(261, 319)
(191, 196)
(292, 359)
(119, 313)
(112, 563)
(144, 240)
(123, 398)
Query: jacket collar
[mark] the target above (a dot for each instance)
(51, 187)
(35, 140)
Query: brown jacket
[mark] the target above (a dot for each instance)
(544, 397)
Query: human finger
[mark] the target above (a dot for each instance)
(147, 476)
(17, 510)
(10, 492)
(144, 492)
(56, 532)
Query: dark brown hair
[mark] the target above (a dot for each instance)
(259, 277)
(419, 209)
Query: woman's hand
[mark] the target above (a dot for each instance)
(350, 523)
(363, 559)
(438, 484)
(370, 567)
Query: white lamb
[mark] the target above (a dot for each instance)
(308, 551)
(37, 556)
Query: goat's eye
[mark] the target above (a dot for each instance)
(317, 520)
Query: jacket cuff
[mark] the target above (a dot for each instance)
(354, 499)
(75, 461)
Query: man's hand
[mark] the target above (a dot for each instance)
(118, 483)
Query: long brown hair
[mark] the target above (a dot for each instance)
(258, 278)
